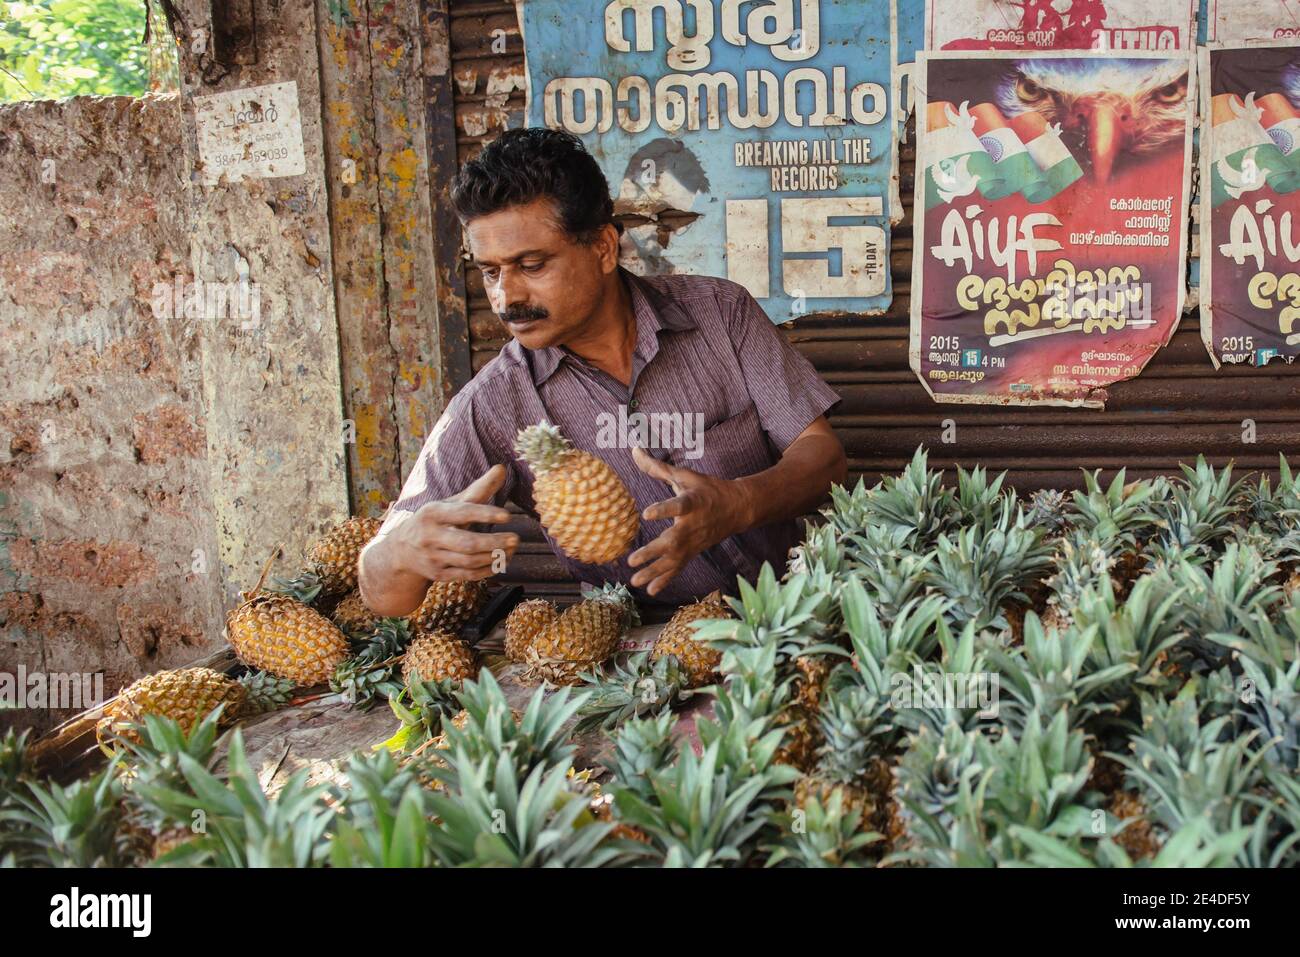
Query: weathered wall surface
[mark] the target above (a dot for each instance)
(107, 539)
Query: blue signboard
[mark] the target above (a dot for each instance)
(742, 138)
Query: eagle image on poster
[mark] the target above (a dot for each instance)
(1059, 24)
(1051, 213)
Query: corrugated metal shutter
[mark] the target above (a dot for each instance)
(1177, 408)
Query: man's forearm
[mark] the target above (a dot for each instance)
(387, 590)
(796, 485)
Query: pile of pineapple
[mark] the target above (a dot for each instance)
(1134, 647)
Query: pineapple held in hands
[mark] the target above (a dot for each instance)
(583, 505)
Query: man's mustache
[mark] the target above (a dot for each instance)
(522, 313)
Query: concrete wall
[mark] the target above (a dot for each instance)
(149, 466)
(107, 529)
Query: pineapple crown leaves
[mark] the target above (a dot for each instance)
(1135, 632)
(305, 587)
(1119, 511)
(981, 503)
(1049, 671)
(244, 827)
(1038, 775)
(880, 650)
(371, 674)
(1047, 510)
(1235, 592)
(421, 707)
(941, 786)
(383, 815)
(616, 593)
(1277, 511)
(1199, 511)
(980, 572)
(265, 692)
(636, 689)
(822, 836)
(915, 503)
(538, 736)
(1185, 771)
(542, 447)
(48, 824)
(699, 813)
(1269, 703)
(1272, 640)
(786, 613)
(640, 746)
(14, 760)
(495, 820)
(1079, 562)
(855, 728)
(1275, 841)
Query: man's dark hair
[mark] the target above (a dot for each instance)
(521, 166)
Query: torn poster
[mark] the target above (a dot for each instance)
(749, 139)
(1050, 242)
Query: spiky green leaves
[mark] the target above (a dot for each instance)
(542, 446)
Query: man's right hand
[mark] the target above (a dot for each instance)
(433, 544)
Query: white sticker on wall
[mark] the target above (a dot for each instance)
(254, 132)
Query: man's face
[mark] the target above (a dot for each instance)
(542, 283)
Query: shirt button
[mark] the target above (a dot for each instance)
(633, 404)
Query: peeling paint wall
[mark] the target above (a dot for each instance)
(382, 235)
(107, 532)
(277, 446)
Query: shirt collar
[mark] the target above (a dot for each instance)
(654, 313)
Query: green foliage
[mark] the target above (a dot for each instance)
(50, 49)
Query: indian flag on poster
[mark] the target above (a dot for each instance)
(1011, 159)
(958, 163)
(1243, 156)
(1053, 157)
(1282, 124)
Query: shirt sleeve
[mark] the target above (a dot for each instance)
(787, 391)
(456, 453)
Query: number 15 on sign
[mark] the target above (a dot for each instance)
(828, 228)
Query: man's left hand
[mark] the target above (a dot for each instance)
(704, 510)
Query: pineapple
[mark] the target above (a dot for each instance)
(641, 687)
(678, 639)
(438, 655)
(582, 503)
(853, 728)
(524, 623)
(353, 617)
(334, 557)
(1079, 564)
(449, 605)
(281, 635)
(186, 696)
(264, 692)
(581, 637)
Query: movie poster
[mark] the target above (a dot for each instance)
(1051, 232)
(1060, 24)
(1250, 203)
(1234, 22)
(750, 139)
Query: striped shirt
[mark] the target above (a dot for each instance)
(715, 388)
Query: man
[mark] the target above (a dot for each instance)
(594, 344)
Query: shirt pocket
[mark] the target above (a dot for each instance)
(729, 449)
